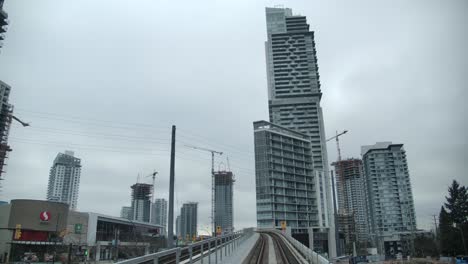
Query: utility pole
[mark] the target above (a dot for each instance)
(170, 231)
(435, 225)
(213, 209)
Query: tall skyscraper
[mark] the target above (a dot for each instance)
(390, 197)
(64, 179)
(141, 202)
(224, 181)
(293, 80)
(126, 212)
(294, 103)
(352, 195)
(159, 213)
(188, 220)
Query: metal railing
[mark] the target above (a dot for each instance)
(201, 250)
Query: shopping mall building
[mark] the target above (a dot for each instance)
(34, 228)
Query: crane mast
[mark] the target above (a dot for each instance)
(213, 210)
(336, 137)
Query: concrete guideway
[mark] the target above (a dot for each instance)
(272, 246)
(247, 246)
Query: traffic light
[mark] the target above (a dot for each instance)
(86, 252)
(18, 232)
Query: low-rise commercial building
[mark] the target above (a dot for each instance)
(31, 226)
(40, 228)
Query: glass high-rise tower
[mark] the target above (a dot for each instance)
(224, 181)
(294, 104)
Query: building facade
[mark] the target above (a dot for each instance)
(159, 213)
(30, 225)
(141, 202)
(294, 96)
(352, 196)
(178, 227)
(126, 212)
(286, 186)
(188, 220)
(64, 179)
(347, 231)
(391, 206)
(40, 228)
(6, 110)
(293, 79)
(224, 181)
(3, 23)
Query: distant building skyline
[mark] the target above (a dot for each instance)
(391, 206)
(64, 179)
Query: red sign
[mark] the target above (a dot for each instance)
(45, 216)
(29, 235)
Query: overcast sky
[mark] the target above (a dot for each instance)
(108, 78)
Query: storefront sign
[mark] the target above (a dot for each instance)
(78, 228)
(44, 216)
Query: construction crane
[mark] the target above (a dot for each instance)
(213, 152)
(19, 121)
(153, 175)
(336, 137)
(338, 142)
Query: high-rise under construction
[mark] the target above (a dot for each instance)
(141, 202)
(6, 109)
(224, 181)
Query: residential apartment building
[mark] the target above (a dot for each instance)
(294, 97)
(159, 213)
(64, 179)
(286, 187)
(224, 181)
(188, 220)
(391, 206)
(126, 212)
